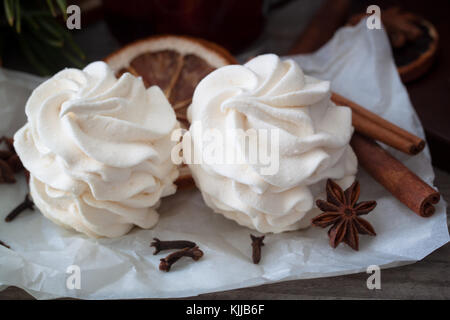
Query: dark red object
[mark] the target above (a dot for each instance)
(233, 24)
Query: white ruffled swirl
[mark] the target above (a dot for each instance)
(314, 135)
(98, 150)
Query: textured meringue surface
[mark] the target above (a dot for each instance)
(314, 134)
(98, 150)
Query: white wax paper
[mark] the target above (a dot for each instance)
(359, 63)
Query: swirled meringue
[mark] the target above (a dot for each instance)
(98, 150)
(314, 134)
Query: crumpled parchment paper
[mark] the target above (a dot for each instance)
(359, 63)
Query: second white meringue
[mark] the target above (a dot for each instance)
(314, 134)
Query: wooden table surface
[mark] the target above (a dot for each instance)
(426, 279)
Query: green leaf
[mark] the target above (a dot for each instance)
(74, 47)
(51, 7)
(63, 7)
(36, 13)
(48, 55)
(74, 60)
(47, 38)
(70, 42)
(18, 17)
(51, 26)
(31, 22)
(31, 57)
(9, 11)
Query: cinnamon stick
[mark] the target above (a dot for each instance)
(394, 176)
(374, 126)
(326, 21)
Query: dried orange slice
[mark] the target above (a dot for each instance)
(174, 63)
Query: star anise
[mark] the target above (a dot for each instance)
(343, 212)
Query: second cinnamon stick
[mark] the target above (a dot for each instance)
(374, 126)
(405, 185)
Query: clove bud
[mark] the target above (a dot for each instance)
(4, 244)
(167, 262)
(27, 203)
(167, 245)
(6, 173)
(257, 243)
(14, 163)
(9, 143)
(6, 154)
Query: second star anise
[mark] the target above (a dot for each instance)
(342, 211)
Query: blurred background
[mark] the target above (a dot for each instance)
(243, 27)
(33, 38)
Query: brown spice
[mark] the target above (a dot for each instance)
(374, 126)
(9, 161)
(9, 143)
(6, 154)
(342, 211)
(6, 173)
(401, 26)
(4, 244)
(167, 262)
(26, 204)
(26, 173)
(14, 163)
(257, 243)
(401, 182)
(167, 245)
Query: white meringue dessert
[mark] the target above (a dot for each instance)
(98, 150)
(314, 135)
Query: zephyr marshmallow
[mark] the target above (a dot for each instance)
(268, 94)
(98, 150)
